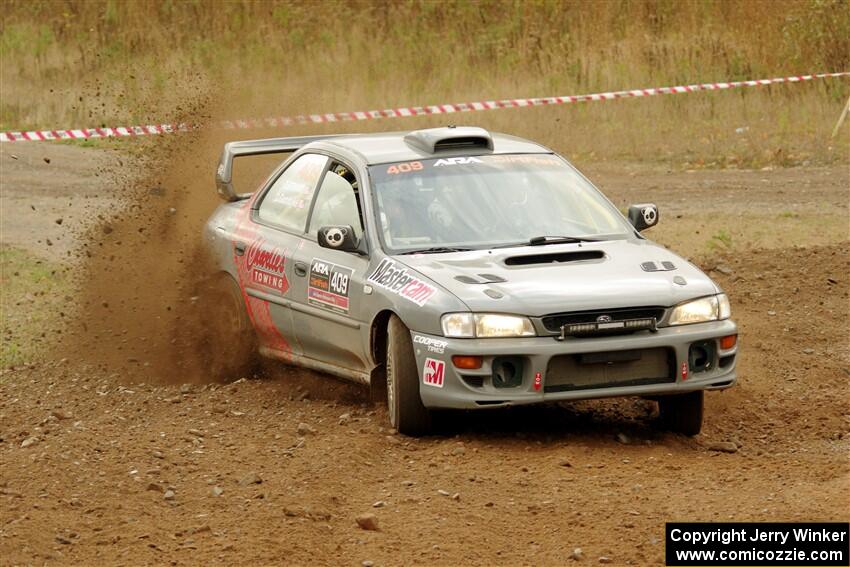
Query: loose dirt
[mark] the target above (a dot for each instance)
(101, 464)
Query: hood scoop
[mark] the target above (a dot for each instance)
(555, 258)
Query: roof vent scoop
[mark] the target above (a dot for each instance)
(451, 138)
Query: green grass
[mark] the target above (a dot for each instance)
(695, 235)
(720, 241)
(33, 296)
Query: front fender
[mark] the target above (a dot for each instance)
(418, 300)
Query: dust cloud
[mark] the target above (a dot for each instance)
(141, 264)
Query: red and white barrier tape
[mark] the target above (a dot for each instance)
(402, 112)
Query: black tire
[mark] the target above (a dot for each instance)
(407, 413)
(682, 413)
(230, 341)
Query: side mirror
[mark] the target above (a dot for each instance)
(643, 216)
(338, 238)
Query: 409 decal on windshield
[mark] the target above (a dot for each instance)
(404, 167)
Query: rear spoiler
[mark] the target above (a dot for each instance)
(224, 173)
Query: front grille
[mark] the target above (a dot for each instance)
(569, 372)
(554, 322)
(606, 328)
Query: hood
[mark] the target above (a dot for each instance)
(539, 280)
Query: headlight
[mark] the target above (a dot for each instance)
(724, 306)
(486, 325)
(713, 308)
(502, 326)
(458, 325)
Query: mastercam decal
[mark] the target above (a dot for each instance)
(398, 280)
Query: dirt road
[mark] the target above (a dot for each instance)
(48, 187)
(95, 469)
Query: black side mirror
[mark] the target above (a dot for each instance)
(643, 216)
(339, 238)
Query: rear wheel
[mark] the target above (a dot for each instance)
(407, 413)
(682, 413)
(230, 341)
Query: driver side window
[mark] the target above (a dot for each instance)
(337, 202)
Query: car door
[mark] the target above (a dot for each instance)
(328, 312)
(264, 245)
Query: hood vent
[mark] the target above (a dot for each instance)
(469, 142)
(664, 266)
(555, 258)
(485, 279)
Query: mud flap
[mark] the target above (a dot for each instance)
(378, 385)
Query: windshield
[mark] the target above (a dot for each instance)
(487, 201)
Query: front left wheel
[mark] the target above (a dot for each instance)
(408, 415)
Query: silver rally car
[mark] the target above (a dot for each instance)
(453, 268)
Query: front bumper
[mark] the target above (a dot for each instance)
(441, 385)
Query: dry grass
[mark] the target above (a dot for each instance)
(114, 62)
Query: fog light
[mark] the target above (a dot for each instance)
(728, 342)
(467, 362)
(701, 356)
(507, 372)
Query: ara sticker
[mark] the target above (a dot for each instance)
(434, 372)
(436, 346)
(398, 280)
(266, 266)
(456, 161)
(329, 286)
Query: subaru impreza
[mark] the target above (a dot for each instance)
(454, 268)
